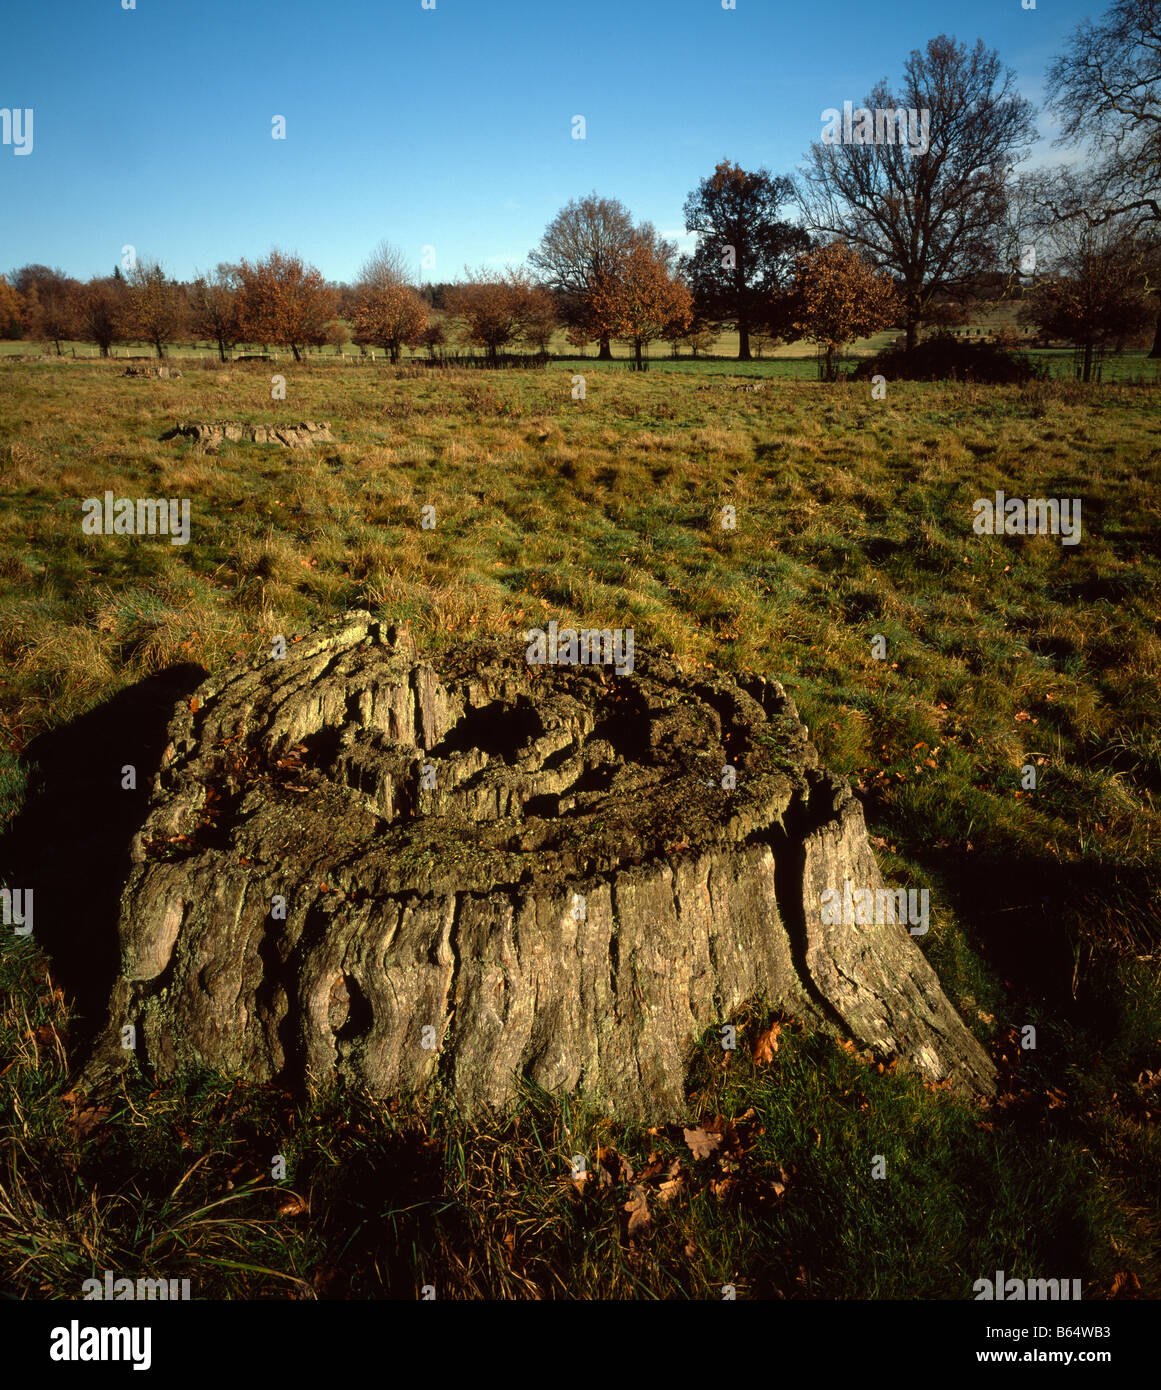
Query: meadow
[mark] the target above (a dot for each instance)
(853, 519)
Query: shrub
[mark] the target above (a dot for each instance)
(943, 357)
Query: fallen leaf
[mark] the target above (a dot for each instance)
(767, 1044)
(292, 1206)
(670, 1188)
(88, 1118)
(638, 1208)
(701, 1144)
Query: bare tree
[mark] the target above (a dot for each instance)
(933, 217)
(1106, 89)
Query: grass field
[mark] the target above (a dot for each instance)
(853, 519)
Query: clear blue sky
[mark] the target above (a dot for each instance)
(448, 127)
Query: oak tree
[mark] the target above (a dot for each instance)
(579, 248)
(745, 252)
(934, 217)
(1106, 90)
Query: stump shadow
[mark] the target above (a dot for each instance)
(70, 840)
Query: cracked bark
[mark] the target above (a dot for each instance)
(452, 907)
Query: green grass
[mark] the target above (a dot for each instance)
(854, 519)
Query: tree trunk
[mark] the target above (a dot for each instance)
(913, 333)
(1087, 362)
(743, 341)
(297, 354)
(830, 367)
(606, 352)
(554, 873)
(1155, 350)
(221, 350)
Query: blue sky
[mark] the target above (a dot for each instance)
(448, 128)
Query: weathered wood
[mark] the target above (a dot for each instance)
(538, 864)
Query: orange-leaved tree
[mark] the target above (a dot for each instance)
(156, 311)
(387, 312)
(496, 307)
(640, 298)
(839, 297)
(281, 300)
(13, 311)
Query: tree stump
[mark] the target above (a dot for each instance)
(405, 873)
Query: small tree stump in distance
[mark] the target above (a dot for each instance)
(492, 869)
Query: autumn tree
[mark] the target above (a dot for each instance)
(101, 312)
(155, 308)
(281, 300)
(387, 312)
(214, 307)
(433, 337)
(541, 319)
(640, 298)
(50, 300)
(1106, 90)
(495, 307)
(933, 217)
(745, 252)
(338, 336)
(839, 298)
(579, 248)
(1096, 293)
(12, 311)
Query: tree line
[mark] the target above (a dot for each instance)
(865, 237)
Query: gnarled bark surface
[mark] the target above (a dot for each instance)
(492, 869)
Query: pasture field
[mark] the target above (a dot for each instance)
(854, 519)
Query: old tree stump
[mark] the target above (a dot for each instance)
(398, 872)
